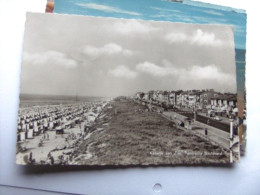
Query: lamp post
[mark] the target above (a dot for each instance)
(231, 138)
(231, 128)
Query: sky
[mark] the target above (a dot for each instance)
(208, 5)
(165, 10)
(95, 56)
(160, 10)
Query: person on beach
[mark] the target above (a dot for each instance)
(50, 158)
(31, 157)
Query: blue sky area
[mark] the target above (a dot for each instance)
(208, 5)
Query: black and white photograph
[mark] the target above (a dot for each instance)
(107, 91)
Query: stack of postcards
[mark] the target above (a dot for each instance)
(132, 83)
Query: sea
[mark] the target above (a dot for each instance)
(30, 100)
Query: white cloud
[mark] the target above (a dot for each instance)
(199, 37)
(106, 8)
(108, 49)
(49, 57)
(212, 12)
(155, 70)
(205, 38)
(205, 73)
(176, 37)
(210, 72)
(133, 26)
(165, 10)
(151, 68)
(123, 72)
(207, 76)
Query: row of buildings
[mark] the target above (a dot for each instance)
(199, 99)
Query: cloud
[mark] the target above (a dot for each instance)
(49, 57)
(106, 8)
(153, 69)
(199, 37)
(205, 73)
(208, 77)
(171, 15)
(165, 10)
(205, 38)
(210, 72)
(123, 72)
(133, 26)
(212, 12)
(108, 49)
(176, 37)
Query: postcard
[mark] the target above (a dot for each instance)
(185, 11)
(107, 91)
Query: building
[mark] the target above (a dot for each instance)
(178, 98)
(163, 97)
(224, 102)
(172, 98)
(194, 99)
(151, 95)
(206, 96)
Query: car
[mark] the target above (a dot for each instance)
(211, 113)
(217, 118)
(231, 116)
(175, 109)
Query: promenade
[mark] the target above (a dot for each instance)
(214, 134)
(217, 135)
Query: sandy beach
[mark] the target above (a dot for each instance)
(50, 133)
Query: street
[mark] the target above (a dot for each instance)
(203, 119)
(217, 135)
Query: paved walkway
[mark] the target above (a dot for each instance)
(214, 134)
(223, 119)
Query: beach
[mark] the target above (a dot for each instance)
(49, 130)
(119, 132)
